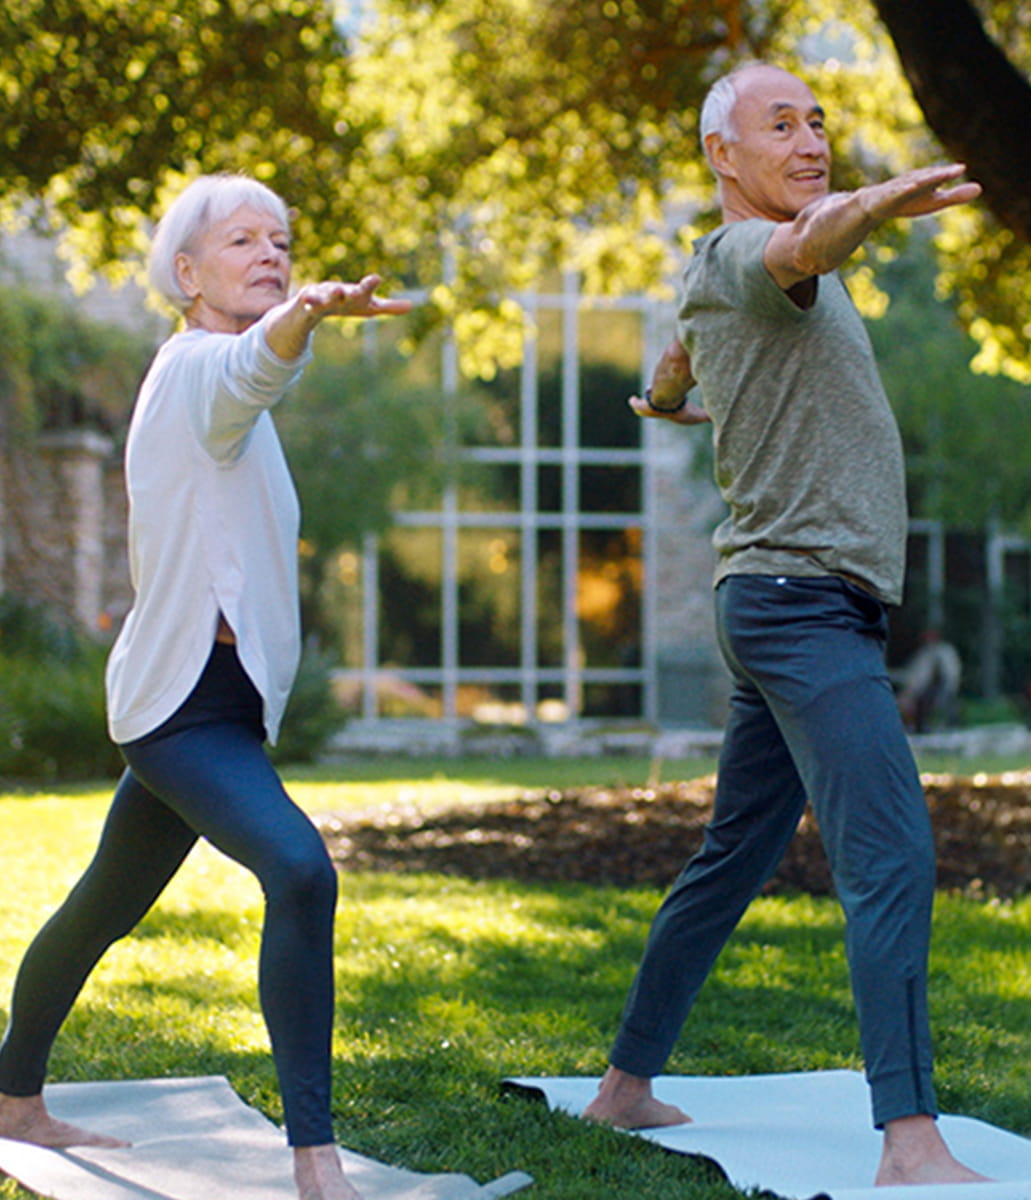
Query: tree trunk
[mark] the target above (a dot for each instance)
(974, 99)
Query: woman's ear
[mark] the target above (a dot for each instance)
(186, 276)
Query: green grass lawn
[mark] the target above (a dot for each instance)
(446, 986)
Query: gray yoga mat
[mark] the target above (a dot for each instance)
(193, 1139)
(805, 1134)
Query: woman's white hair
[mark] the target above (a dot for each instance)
(208, 199)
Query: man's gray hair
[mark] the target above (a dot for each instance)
(207, 200)
(717, 115)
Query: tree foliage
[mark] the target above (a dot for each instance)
(953, 422)
(967, 66)
(471, 146)
(108, 102)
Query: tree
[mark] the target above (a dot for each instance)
(108, 102)
(953, 422)
(967, 68)
(483, 142)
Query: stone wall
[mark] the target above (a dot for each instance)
(62, 512)
(62, 498)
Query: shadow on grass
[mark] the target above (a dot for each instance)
(446, 986)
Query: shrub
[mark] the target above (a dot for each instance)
(52, 719)
(312, 714)
(53, 722)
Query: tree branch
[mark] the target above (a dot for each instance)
(976, 102)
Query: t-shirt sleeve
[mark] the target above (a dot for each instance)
(730, 266)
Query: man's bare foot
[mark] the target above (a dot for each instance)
(626, 1101)
(25, 1119)
(915, 1152)
(319, 1175)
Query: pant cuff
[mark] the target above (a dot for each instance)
(637, 1056)
(902, 1094)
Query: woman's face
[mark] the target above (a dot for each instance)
(239, 270)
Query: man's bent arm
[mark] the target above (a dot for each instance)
(671, 381)
(826, 232)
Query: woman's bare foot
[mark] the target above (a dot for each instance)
(915, 1152)
(319, 1175)
(626, 1101)
(25, 1119)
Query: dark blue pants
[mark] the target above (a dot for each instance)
(204, 773)
(812, 716)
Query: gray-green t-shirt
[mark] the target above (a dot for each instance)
(808, 453)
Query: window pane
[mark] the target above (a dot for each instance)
(612, 700)
(549, 489)
(410, 598)
(488, 597)
(549, 598)
(488, 487)
(609, 597)
(610, 489)
(605, 417)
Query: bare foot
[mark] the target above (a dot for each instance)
(915, 1152)
(319, 1175)
(626, 1101)
(25, 1119)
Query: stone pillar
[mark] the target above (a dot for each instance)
(78, 459)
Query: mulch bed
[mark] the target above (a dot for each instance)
(644, 835)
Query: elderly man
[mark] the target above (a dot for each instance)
(809, 461)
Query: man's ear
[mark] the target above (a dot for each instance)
(716, 149)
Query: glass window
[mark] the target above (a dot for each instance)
(609, 597)
(410, 581)
(488, 597)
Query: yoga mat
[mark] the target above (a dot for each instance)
(804, 1135)
(193, 1139)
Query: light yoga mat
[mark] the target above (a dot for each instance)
(194, 1139)
(805, 1135)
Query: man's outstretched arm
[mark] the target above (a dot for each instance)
(826, 232)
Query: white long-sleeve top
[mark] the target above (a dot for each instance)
(213, 527)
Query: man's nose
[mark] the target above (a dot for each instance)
(811, 142)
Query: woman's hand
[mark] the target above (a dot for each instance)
(335, 299)
(288, 331)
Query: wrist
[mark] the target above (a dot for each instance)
(664, 408)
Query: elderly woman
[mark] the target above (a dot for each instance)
(200, 673)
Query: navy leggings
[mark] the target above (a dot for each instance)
(812, 717)
(203, 773)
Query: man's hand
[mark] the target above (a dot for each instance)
(690, 414)
(827, 231)
(671, 379)
(917, 193)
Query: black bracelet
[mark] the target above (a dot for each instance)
(657, 408)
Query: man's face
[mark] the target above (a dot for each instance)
(780, 160)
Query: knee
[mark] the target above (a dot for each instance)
(306, 879)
